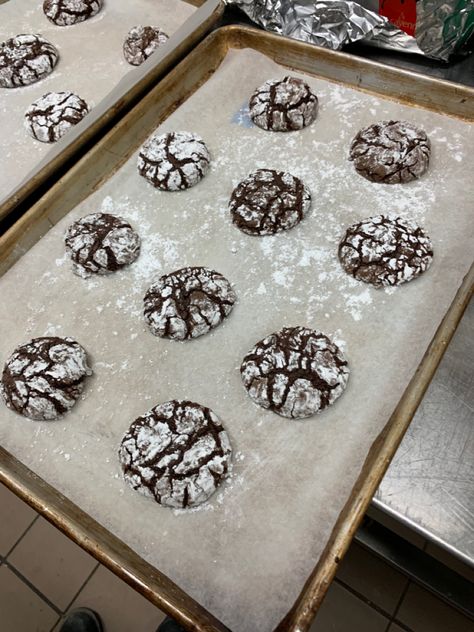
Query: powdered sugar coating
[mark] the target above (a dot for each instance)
(385, 250)
(283, 105)
(177, 453)
(268, 202)
(53, 114)
(101, 243)
(391, 152)
(25, 59)
(295, 372)
(69, 12)
(141, 42)
(43, 378)
(188, 303)
(174, 161)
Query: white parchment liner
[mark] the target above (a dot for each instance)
(246, 554)
(91, 64)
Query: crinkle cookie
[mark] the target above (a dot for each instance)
(69, 12)
(53, 114)
(391, 152)
(283, 105)
(101, 243)
(174, 161)
(268, 202)
(25, 59)
(178, 453)
(295, 372)
(385, 250)
(141, 42)
(188, 303)
(43, 378)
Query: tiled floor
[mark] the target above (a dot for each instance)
(43, 575)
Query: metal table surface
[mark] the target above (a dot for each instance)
(429, 485)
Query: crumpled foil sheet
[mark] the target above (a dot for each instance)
(335, 23)
(442, 26)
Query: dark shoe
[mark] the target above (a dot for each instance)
(82, 620)
(168, 625)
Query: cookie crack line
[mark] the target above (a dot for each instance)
(70, 12)
(98, 233)
(52, 115)
(174, 161)
(16, 56)
(178, 453)
(295, 372)
(290, 98)
(33, 378)
(385, 251)
(268, 202)
(188, 303)
(391, 152)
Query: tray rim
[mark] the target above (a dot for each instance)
(156, 587)
(25, 193)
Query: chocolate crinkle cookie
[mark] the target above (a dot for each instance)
(101, 243)
(391, 152)
(188, 303)
(268, 202)
(25, 59)
(174, 161)
(52, 115)
(43, 379)
(283, 105)
(385, 250)
(141, 42)
(177, 453)
(295, 372)
(69, 12)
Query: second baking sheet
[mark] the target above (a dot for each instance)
(91, 64)
(246, 554)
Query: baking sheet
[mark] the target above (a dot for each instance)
(246, 554)
(91, 64)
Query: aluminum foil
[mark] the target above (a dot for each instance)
(335, 23)
(442, 26)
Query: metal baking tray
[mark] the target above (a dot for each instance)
(108, 111)
(94, 169)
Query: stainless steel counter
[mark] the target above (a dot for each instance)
(429, 485)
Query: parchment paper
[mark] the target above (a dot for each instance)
(246, 554)
(91, 64)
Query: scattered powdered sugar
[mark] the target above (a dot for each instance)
(356, 302)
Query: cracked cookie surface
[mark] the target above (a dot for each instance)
(25, 59)
(391, 152)
(141, 42)
(295, 372)
(188, 303)
(268, 202)
(101, 243)
(43, 378)
(69, 12)
(283, 105)
(174, 161)
(385, 250)
(52, 115)
(177, 453)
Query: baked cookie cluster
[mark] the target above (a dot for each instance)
(178, 453)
